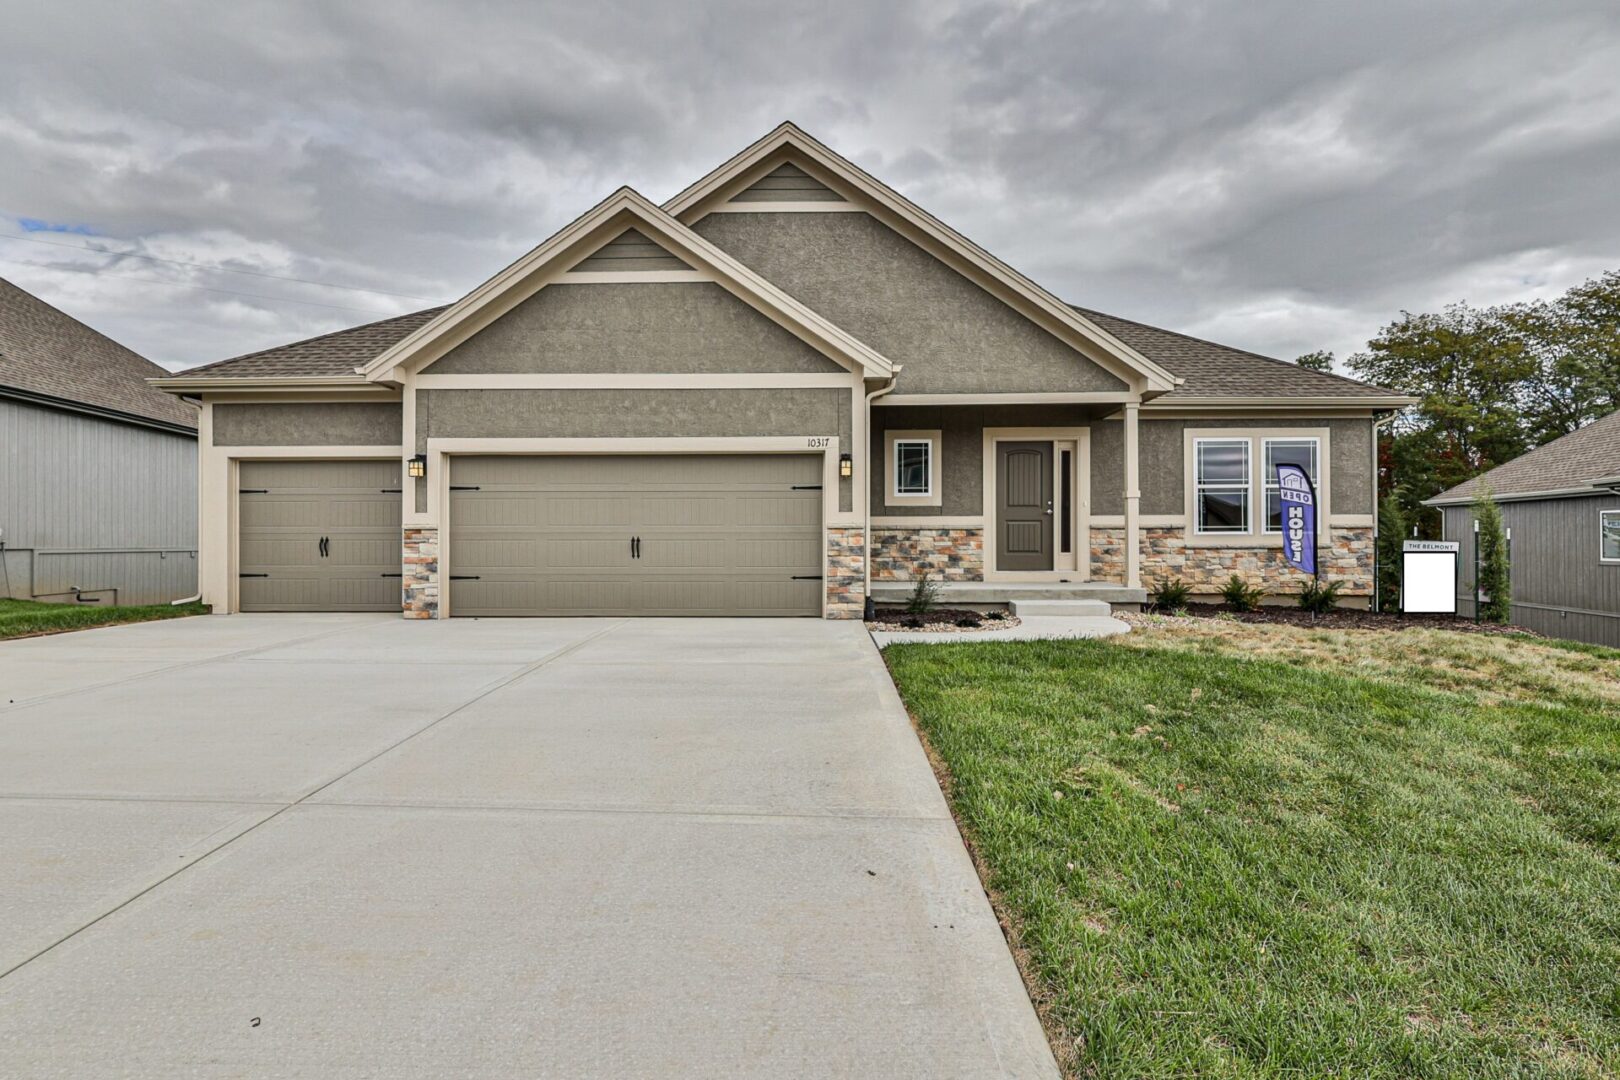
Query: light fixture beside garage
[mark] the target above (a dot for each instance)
(846, 466)
(418, 466)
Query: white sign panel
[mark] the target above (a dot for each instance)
(1429, 577)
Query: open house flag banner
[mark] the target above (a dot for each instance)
(1298, 517)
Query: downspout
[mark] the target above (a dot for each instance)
(1378, 422)
(870, 608)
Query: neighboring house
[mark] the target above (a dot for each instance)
(701, 408)
(1562, 503)
(98, 470)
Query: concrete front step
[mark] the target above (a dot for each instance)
(1026, 609)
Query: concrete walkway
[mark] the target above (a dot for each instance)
(1039, 628)
(345, 846)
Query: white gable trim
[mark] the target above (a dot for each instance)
(549, 263)
(934, 236)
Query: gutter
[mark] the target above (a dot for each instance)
(866, 526)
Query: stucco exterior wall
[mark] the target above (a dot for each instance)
(950, 335)
(638, 327)
(315, 423)
(579, 414)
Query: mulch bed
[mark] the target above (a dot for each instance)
(1348, 619)
(943, 620)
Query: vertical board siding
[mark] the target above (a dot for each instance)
(1560, 588)
(95, 504)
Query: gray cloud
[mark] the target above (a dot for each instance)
(1281, 176)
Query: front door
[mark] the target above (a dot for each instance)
(1023, 506)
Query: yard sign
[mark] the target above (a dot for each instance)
(1298, 499)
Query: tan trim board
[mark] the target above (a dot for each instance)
(786, 207)
(633, 277)
(372, 393)
(1352, 521)
(921, 522)
(1145, 521)
(291, 384)
(936, 443)
(617, 381)
(934, 235)
(1008, 399)
(1181, 403)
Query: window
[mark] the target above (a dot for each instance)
(913, 467)
(1609, 535)
(1221, 471)
(1301, 452)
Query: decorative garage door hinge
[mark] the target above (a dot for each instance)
(465, 487)
(253, 491)
(252, 575)
(807, 577)
(805, 487)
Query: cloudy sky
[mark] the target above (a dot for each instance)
(1282, 175)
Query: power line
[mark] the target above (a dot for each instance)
(213, 269)
(189, 285)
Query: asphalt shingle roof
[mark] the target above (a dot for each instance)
(1210, 370)
(48, 352)
(1569, 461)
(1214, 370)
(337, 353)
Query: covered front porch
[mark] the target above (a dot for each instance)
(1024, 500)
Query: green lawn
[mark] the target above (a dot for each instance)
(1270, 851)
(25, 618)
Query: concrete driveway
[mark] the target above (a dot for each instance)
(335, 846)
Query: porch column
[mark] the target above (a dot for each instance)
(1133, 500)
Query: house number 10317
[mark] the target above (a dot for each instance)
(820, 442)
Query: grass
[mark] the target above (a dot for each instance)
(27, 618)
(1256, 851)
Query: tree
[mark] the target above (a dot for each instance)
(1320, 360)
(1493, 591)
(1392, 530)
(1468, 369)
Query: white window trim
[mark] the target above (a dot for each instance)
(1267, 483)
(892, 496)
(1256, 536)
(1603, 516)
(1246, 486)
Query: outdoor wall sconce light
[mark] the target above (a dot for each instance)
(846, 466)
(418, 466)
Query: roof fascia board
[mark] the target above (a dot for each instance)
(1209, 402)
(46, 401)
(940, 240)
(547, 263)
(1519, 496)
(180, 384)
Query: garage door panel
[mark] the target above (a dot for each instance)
(718, 534)
(587, 511)
(284, 511)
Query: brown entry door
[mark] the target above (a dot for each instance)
(1023, 506)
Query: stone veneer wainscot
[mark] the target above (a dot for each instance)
(846, 573)
(1348, 557)
(420, 588)
(902, 554)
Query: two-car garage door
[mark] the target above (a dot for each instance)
(678, 534)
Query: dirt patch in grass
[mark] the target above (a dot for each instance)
(1339, 619)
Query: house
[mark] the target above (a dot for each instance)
(1561, 502)
(710, 406)
(98, 470)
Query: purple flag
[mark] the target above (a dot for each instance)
(1298, 498)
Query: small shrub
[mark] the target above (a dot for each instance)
(1318, 597)
(1495, 582)
(1393, 525)
(968, 620)
(912, 622)
(996, 616)
(1170, 595)
(1241, 595)
(924, 595)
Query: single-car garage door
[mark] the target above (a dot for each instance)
(677, 534)
(319, 536)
